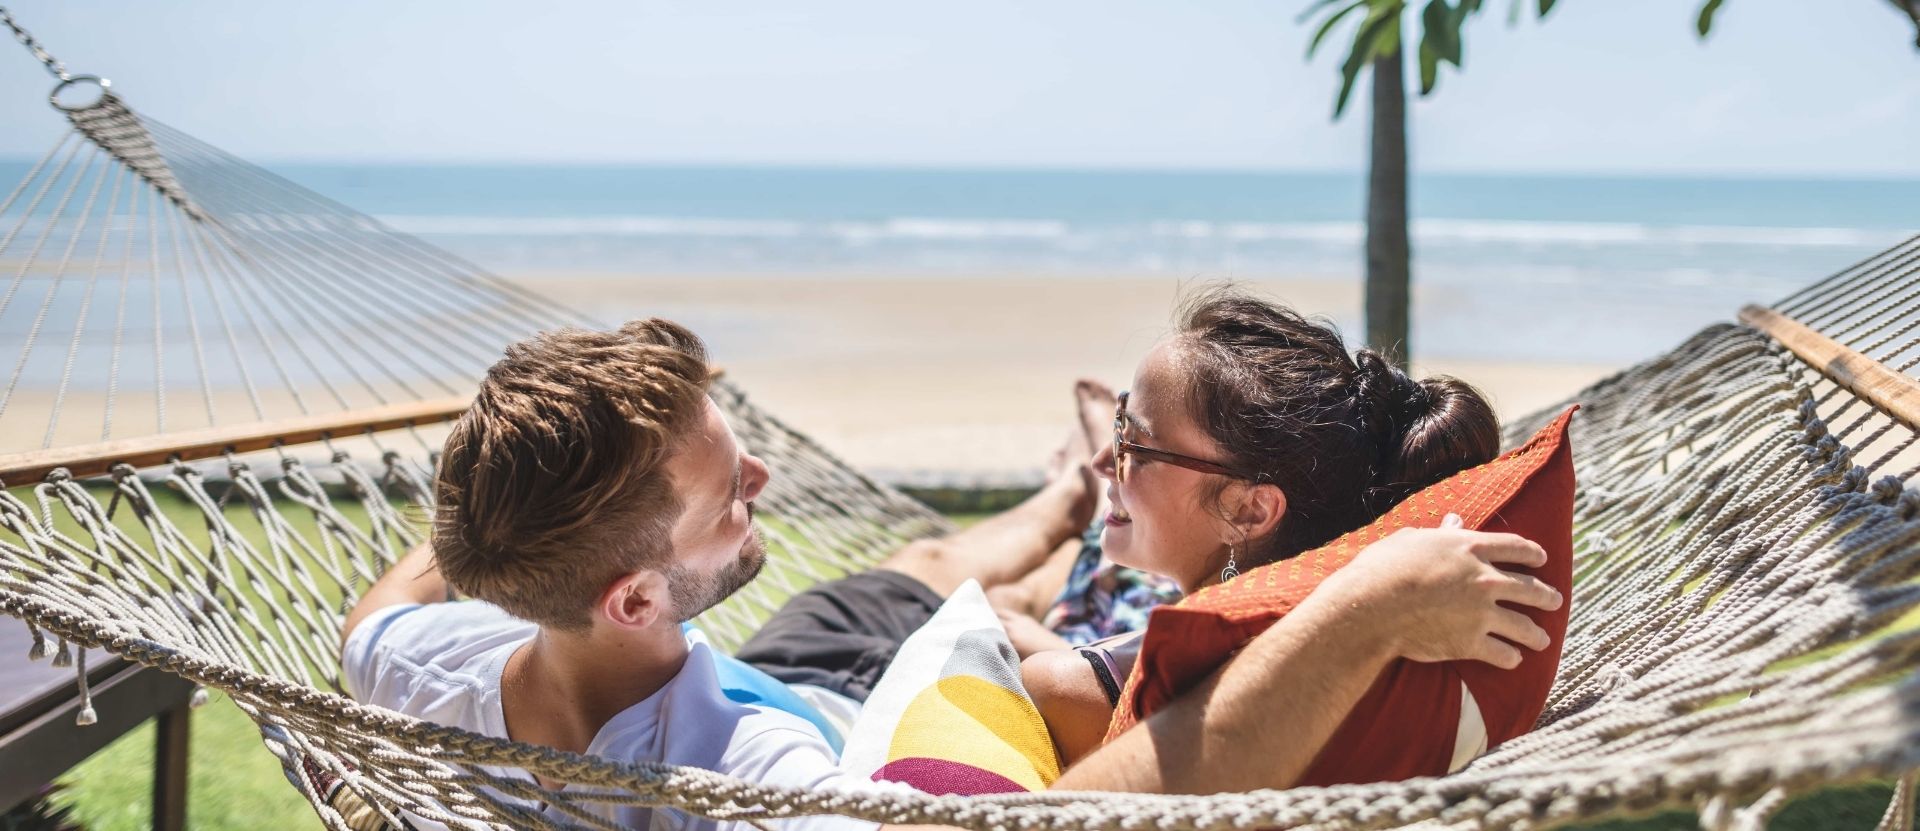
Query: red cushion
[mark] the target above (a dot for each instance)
(1404, 726)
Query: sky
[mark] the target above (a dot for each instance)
(1782, 88)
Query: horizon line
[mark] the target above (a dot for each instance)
(1024, 167)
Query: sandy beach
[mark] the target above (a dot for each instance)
(964, 379)
(921, 379)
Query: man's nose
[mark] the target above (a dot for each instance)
(754, 475)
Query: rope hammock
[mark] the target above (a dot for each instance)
(1748, 536)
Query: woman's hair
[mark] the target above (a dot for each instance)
(1345, 437)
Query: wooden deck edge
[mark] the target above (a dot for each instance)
(146, 451)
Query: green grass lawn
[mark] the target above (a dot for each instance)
(236, 784)
(233, 782)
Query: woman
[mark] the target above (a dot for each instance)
(1250, 435)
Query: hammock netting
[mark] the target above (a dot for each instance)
(1747, 538)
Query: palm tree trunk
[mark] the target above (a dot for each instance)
(1389, 260)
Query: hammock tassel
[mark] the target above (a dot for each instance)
(199, 698)
(1715, 814)
(1754, 817)
(63, 657)
(41, 650)
(87, 715)
(1899, 815)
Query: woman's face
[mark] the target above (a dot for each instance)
(1163, 520)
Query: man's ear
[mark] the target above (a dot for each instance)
(1257, 511)
(635, 600)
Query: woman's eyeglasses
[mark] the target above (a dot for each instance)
(1122, 449)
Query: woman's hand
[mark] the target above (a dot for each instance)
(1029, 636)
(1436, 593)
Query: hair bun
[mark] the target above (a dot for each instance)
(1390, 400)
(1445, 428)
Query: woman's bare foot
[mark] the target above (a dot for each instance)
(1069, 457)
(1015, 544)
(1070, 468)
(1070, 472)
(1094, 407)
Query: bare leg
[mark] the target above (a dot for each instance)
(1005, 547)
(1032, 594)
(1038, 536)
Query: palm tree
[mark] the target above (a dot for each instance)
(1911, 8)
(1376, 44)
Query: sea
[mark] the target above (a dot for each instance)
(1602, 269)
(1599, 269)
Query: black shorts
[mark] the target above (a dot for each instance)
(842, 635)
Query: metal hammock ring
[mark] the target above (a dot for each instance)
(104, 86)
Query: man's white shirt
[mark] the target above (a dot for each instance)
(442, 662)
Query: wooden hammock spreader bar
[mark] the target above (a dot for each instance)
(96, 459)
(1896, 394)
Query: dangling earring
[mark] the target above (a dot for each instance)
(1230, 571)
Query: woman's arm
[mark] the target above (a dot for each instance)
(1425, 595)
(1070, 699)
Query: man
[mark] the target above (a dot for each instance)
(595, 499)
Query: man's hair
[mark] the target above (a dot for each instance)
(552, 483)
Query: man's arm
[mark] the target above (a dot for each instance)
(415, 579)
(1258, 722)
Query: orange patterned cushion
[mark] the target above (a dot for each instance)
(1405, 725)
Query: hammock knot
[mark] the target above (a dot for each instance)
(1887, 490)
(59, 476)
(1852, 482)
(1809, 417)
(1909, 505)
(1832, 457)
(1611, 677)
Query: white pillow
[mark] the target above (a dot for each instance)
(950, 715)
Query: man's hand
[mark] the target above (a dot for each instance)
(1438, 591)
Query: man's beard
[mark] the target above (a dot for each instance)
(694, 593)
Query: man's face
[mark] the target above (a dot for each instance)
(716, 546)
